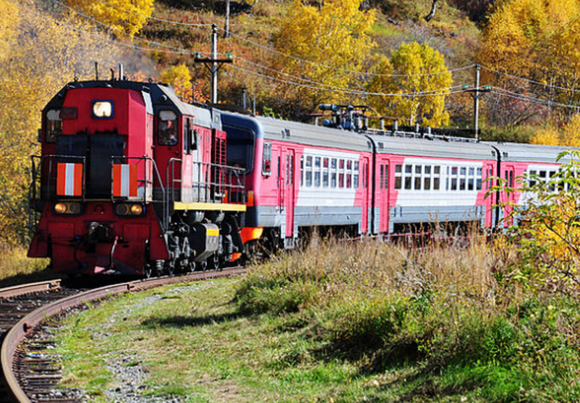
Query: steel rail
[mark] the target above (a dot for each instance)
(22, 289)
(33, 319)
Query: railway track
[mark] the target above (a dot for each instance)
(29, 371)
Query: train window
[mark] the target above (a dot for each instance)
(478, 179)
(103, 110)
(381, 177)
(408, 177)
(167, 128)
(398, 176)
(267, 159)
(427, 177)
(436, 177)
(317, 165)
(341, 166)
(308, 172)
(386, 176)
(532, 178)
(317, 179)
(471, 179)
(325, 172)
(53, 125)
(418, 169)
(301, 170)
(462, 178)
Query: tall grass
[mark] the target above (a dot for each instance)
(453, 316)
(15, 266)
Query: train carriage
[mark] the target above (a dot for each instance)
(429, 179)
(300, 176)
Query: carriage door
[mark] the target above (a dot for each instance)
(489, 201)
(362, 181)
(383, 199)
(287, 192)
(509, 198)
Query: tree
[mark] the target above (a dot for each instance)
(417, 73)
(567, 135)
(328, 44)
(125, 15)
(180, 78)
(536, 39)
(42, 55)
(8, 21)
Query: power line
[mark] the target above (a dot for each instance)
(521, 97)
(529, 80)
(272, 50)
(430, 93)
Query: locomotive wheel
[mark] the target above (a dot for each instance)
(213, 263)
(170, 268)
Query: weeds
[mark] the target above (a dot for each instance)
(466, 321)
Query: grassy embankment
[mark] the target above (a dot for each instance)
(17, 268)
(340, 323)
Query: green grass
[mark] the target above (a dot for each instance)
(338, 323)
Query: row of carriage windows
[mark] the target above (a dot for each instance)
(427, 177)
(327, 172)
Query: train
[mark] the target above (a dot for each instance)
(133, 180)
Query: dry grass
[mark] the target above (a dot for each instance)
(16, 267)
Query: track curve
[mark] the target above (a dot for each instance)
(31, 319)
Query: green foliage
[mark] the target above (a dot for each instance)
(544, 227)
(498, 341)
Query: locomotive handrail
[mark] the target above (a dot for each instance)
(51, 157)
(165, 220)
(214, 182)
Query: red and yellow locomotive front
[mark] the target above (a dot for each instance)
(95, 181)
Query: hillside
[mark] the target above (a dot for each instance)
(450, 32)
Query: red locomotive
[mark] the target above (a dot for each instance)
(132, 180)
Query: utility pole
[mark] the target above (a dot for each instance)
(475, 91)
(213, 63)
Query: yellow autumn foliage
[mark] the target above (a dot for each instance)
(568, 135)
(537, 39)
(328, 44)
(125, 15)
(179, 77)
(413, 69)
(45, 52)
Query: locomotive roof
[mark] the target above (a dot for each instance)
(157, 97)
(301, 133)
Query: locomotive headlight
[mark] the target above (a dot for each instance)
(136, 209)
(102, 109)
(67, 208)
(124, 209)
(60, 208)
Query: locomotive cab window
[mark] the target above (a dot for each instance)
(53, 125)
(167, 128)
